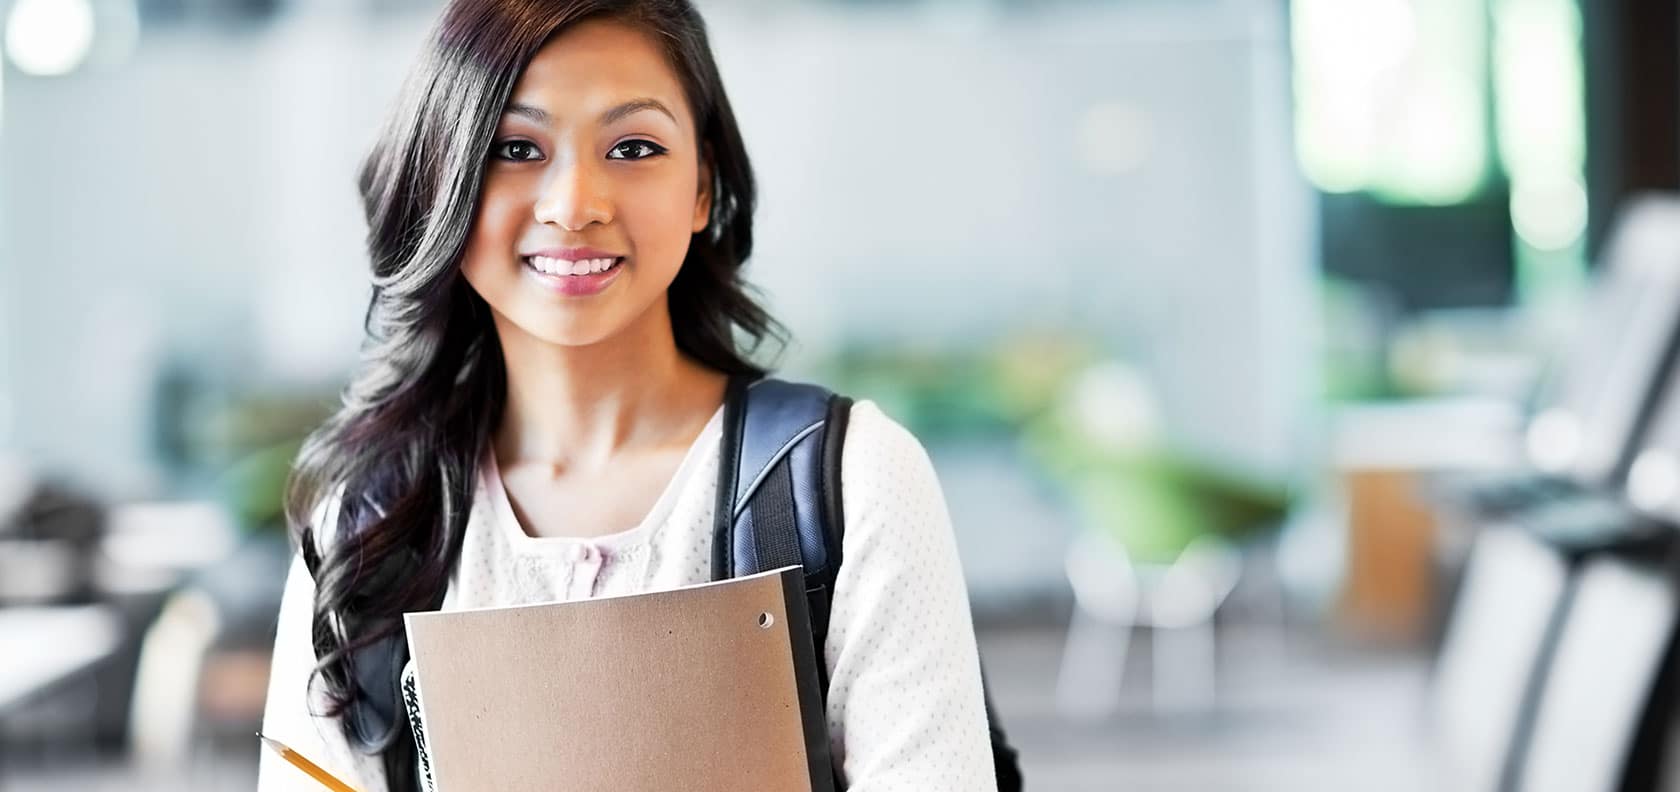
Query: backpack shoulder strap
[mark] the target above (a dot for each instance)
(779, 498)
(779, 503)
(778, 484)
(375, 723)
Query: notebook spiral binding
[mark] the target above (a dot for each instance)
(423, 758)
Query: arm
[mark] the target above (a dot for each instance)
(287, 718)
(905, 708)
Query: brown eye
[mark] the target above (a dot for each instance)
(635, 150)
(518, 150)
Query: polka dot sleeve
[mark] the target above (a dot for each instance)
(905, 706)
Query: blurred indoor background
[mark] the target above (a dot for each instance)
(1296, 370)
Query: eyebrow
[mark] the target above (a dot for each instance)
(616, 113)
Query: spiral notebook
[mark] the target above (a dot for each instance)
(709, 687)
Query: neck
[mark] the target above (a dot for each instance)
(578, 407)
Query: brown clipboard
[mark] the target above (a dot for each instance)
(710, 687)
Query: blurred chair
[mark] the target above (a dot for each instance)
(50, 657)
(203, 662)
(1604, 705)
(1514, 590)
(1605, 386)
(1112, 596)
(149, 549)
(165, 709)
(1552, 675)
(1535, 535)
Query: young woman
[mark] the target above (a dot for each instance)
(560, 208)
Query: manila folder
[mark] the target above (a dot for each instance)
(709, 687)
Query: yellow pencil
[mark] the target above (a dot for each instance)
(314, 770)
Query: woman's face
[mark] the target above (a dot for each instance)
(595, 163)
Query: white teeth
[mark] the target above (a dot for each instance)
(554, 266)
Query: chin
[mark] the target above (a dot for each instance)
(570, 333)
(577, 325)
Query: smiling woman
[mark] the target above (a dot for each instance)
(559, 211)
(586, 194)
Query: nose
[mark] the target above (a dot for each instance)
(573, 197)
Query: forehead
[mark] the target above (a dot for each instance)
(593, 65)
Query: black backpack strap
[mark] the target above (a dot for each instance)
(771, 473)
(377, 720)
(779, 499)
(1006, 761)
(779, 494)
(376, 723)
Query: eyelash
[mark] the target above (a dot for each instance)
(653, 149)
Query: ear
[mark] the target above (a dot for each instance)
(703, 198)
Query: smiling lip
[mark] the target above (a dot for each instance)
(573, 253)
(575, 285)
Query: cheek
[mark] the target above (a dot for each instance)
(660, 217)
(495, 230)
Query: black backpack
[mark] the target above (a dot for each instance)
(778, 505)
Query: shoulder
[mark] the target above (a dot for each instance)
(874, 435)
(898, 540)
(884, 466)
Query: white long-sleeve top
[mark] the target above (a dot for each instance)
(905, 707)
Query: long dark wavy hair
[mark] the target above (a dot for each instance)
(400, 455)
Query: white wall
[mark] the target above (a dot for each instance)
(924, 169)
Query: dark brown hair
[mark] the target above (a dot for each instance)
(400, 455)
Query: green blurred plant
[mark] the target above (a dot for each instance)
(1103, 445)
(1353, 343)
(1085, 422)
(254, 487)
(259, 438)
(959, 393)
